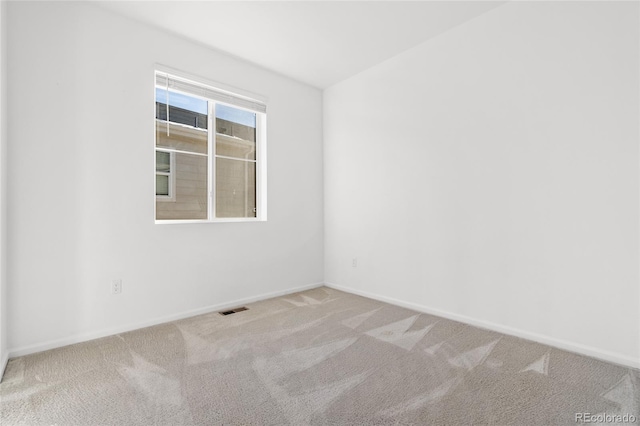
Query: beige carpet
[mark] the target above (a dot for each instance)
(318, 357)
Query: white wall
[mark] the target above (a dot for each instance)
(4, 352)
(491, 175)
(80, 191)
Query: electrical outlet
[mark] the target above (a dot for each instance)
(116, 286)
(354, 262)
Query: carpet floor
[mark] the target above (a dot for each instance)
(319, 357)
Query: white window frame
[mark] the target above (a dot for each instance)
(261, 152)
(172, 177)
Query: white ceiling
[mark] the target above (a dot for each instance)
(316, 42)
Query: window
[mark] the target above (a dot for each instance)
(210, 153)
(165, 184)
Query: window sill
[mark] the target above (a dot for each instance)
(221, 220)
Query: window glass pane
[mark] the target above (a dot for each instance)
(162, 185)
(182, 101)
(235, 188)
(190, 190)
(181, 116)
(236, 115)
(235, 132)
(163, 162)
(188, 122)
(181, 137)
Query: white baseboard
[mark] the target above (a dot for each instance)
(84, 337)
(4, 359)
(551, 341)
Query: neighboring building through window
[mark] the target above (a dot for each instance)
(210, 152)
(165, 184)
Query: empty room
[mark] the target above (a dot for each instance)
(319, 212)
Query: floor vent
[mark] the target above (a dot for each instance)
(233, 311)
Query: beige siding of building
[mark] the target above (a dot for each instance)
(235, 186)
(190, 201)
(181, 137)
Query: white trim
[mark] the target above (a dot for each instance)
(178, 151)
(155, 145)
(212, 135)
(217, 85)
(3, 364)
(84, 337)
(215, 220)
(246, 160)
(261, 167)
(171, 198)
(550, 341)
